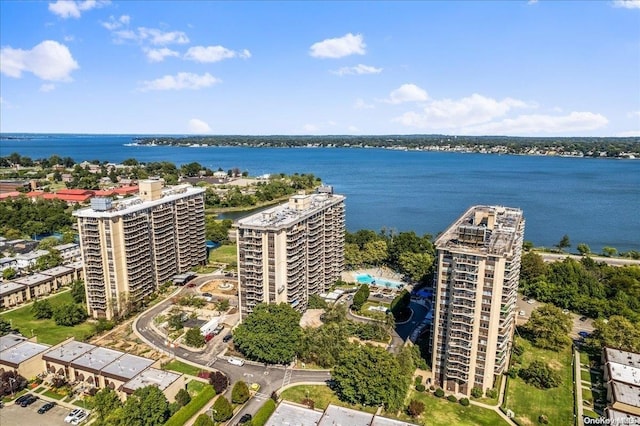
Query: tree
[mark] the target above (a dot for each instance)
(175, 321)
(540, 375)
(583, 249)
(548, 328)
(69, 314)
(147, 406)
(77, 291)
(222, 409)
(374, 252)
(323, 345)
(5, 327)
(415, 408)
(564, 243)
(371, 376)
(204, 420)
(183, 397)
(618, 333)
(270, 333)
(240, 393)
(609, 251)
(9, 274)
(194, 338)
(316, 302)
(352, 256)
(49, 261)
(415, 265)
(400, 303)
(42, 309)
(219, 382)
(16, 384)
(105, 402)
(361, 296)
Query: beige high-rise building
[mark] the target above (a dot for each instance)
(477, 274)
(130, 247)
(291, 251)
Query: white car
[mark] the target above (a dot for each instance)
(81, 417)
(236, 361)
(531, 301)
(73, 414)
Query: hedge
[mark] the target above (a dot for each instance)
(263, 414)
(185, 413)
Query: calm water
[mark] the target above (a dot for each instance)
(595, 201)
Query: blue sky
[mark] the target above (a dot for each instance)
(522, 68)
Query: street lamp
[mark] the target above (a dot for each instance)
(11, 382)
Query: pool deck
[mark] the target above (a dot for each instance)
(385, 273)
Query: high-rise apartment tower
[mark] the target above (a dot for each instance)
(291, 251)
(478, 268)
(130, 247)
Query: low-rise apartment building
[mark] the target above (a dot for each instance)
(622, 379)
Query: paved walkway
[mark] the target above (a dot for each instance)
(496, 408)
(578, 385)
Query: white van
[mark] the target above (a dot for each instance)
(236, 361)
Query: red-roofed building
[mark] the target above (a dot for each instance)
(75, 192)
(69, 198)
(12, 194)
(104, 193)
(126, 190)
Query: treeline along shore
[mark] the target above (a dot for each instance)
(594, 147)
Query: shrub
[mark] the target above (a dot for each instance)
(492, 393)
(104, 325)
(420, 388)
(476, 392)
(183, 397)
(203, 420)
(274, 396)
(219, 382)
(540, 375)
(439, 393)
(183, 415)
(415, 408)
(518, 349)
(194, 338)
(464, 402)
(513, 372)
(240, 393)
(263, 413)
(222, 409)
(432, 388)
(417, 380)
(452, 398)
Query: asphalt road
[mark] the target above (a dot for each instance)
(612, 261)
(526, 307)
(270, 378)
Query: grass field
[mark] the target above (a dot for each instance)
(440, 412)
(224, 254)
(194, 387)
(528, 402)
(321, 395)
(181, 367)
(46, 329)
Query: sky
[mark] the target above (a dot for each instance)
(518, 68)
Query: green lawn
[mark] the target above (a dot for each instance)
(181, 367)
(46, 329)
(224, 254)
(528, 402)
(587, 395)
(321, 395)
(194, 387)
(585, 375)
(53, 395)
(589, 413)
(440, 412)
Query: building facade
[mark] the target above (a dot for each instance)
(131, 247)
(476, 283)
(290, 251)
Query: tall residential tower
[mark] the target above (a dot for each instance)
(291, 251)
(477, 274)
(132, 246)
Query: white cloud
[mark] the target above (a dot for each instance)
(340, 47)
(535, 123)
(408, 93)
(48, 87)
(73, 9)
(180, 81)
(629, 134)
(454, 114)
(627, 4)
(48, 60)
(361, 104)
(357, 70)
(158, 55)
(160, 38)
(114, 24)
(69, 38)
(198, 126)
(213, 54)
(532, 2)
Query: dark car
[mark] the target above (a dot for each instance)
(584, 334)
(23, 398)
(227, 338)
(46, 407)
(246, 418)
(29, 401)
(583, 319)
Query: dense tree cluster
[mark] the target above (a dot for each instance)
(548, 328)
(540, 375)
(617, 332)
(588, 287)
(23, 217)
(147, 406)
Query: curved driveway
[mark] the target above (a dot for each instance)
(270, 378)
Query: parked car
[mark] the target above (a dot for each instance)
(236, 361)
(228, 337)
(584, 334)
(531, 301)
(583, 319)
(46, 407)
(246, 418)
(72, 415)
(81, 417)
(22, 398)
(218, 330)
(207, 296)
(30, 400)
(208, 337)
(522, 313)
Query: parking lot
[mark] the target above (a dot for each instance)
(15, 415)
(579, 323)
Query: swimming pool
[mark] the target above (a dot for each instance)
(371, 280)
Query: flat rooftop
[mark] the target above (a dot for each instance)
(9, 340)
(66, 353)
(135, 204)
(57, 271)
(293, 415)
(483, 230)
(340, 416)
(96, 359)
(10, 288)
(22, 352)
(127, 366)
(33, 279)
(32, 255)
(626, 394)
(383, 421)
(622, 418)
(284, 215)
(623, 366)
(152, 376)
